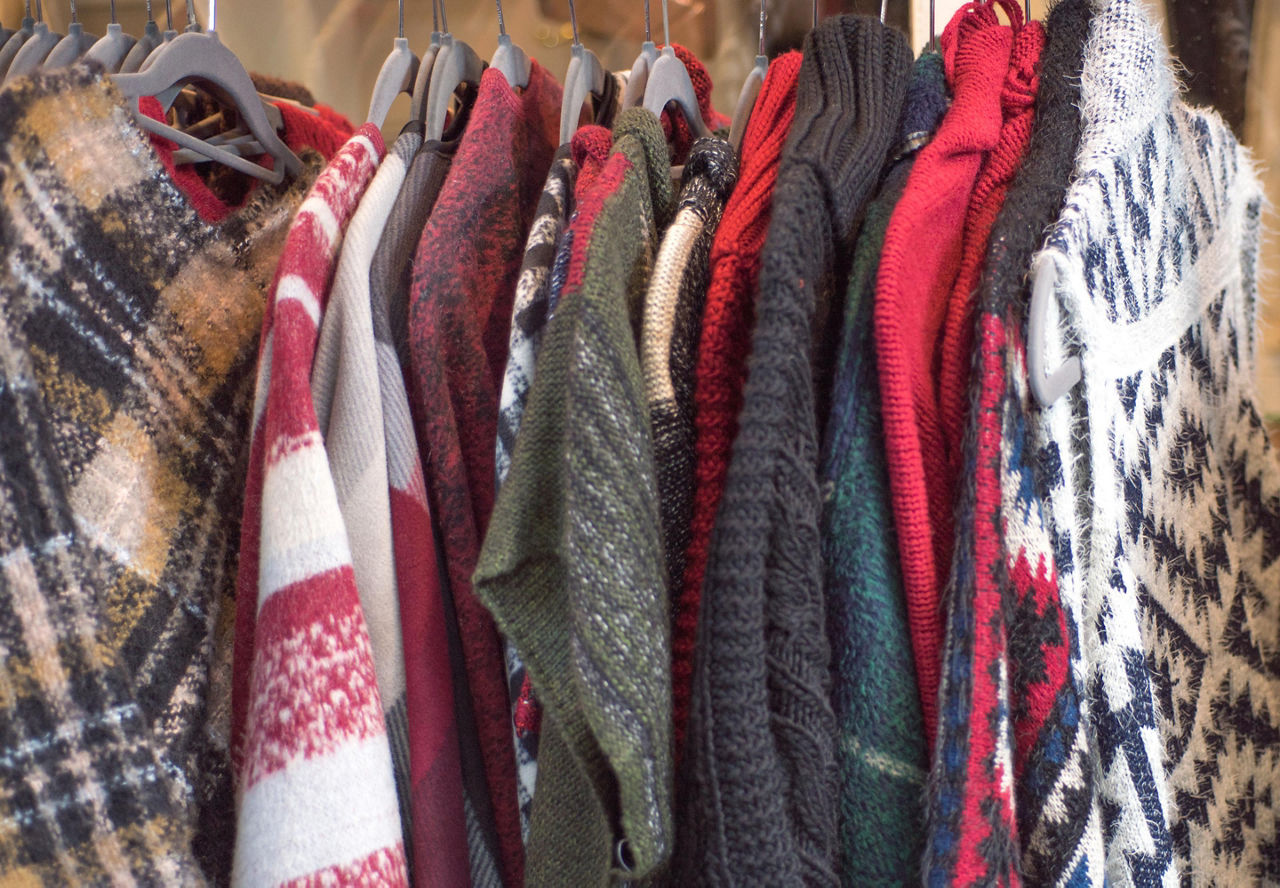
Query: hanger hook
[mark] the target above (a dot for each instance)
(168, 14)
(113, 13)
(884, 5)
(760, 47)
(573, 20)
(933, 30)
(39, 11)
(815, 13)
(74, 18)
(502, 25)
(648, 31)
(444, 18)
(400, 20)
(213, 15)
(191, 13)
(666, 24)
(435, 17)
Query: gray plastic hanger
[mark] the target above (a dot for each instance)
(456, 63)
(5, 34)
(510, 59)
(1045, 385)
(202, 58)
(35, 50)
(15, 41)
(585, 79)
(638, 77)
(669, 82)
(71, 47)
(751, 88)
(397, 75)
(146, 44)
(114, 46)
(427, 64)
(169, 35)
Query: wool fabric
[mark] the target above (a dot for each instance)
(126, 367)
(759, 772)
(669, 341)
(573, 565)
(464, 276)
(880, 749)
(721, 368)
(918, 267)
(1162, 485)
(1012, 795)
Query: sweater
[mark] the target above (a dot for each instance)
(918, 268)
(128, 332)
(1012, 796)
(760, 775)
(573, 566)
(1171, 548)
(880, 750)
(464, 276)
(317, 796)
(669, 345)
(721, 368)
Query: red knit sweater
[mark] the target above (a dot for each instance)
(919, 266)
(721, 370)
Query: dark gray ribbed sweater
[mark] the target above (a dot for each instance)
(759, 778)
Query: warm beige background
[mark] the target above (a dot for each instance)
(337, 46)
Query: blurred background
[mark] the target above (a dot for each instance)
(1229, 51)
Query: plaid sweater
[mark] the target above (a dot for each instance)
(128, 331)
(317, 797)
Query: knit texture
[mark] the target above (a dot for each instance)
(464, 277)
(669, 342)
(1012, 796)
(919, 264)
(880, 749)
(1162, 486)
(721, 368)
(529, 315)
(128, 332)
(760, 776)
(573, 565)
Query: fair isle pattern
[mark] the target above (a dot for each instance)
(317, 797)
(128, 333)
(528, 319)
(1162, 484)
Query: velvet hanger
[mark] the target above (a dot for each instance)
(196, 57)
(422, 85)
(146, 44)
(397, 75)
(669, 82)
(584, 79)
(456, 63)
(510, 59)
(113, 47)
(167, 37)
(15, 41)
(35, 49)
(71, 47)
(638, 78)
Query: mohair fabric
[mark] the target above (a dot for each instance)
(464, 276)
(669, 335)
(573, 565)
(921, 258)
(721, 368)
(1163, 489)
(1012, 796)
(128, 335)
(759, 773)
(306, 712)
(529, 315)
(881, 754)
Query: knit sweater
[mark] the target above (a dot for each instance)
(308, 728)
(573, 565)
(759, 775)
(464, 277)
(721, 368)
(880, 749)
(1163, 489)
(128, 332)
(669, 345)
(1012, 795)
(918, 268)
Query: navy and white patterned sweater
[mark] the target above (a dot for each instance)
(1162, 486)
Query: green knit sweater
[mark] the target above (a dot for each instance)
(573, 565)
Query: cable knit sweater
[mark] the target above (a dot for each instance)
(1012, 796)
(760, 769)
(1163, 489)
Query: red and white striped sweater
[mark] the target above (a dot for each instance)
(315, 789)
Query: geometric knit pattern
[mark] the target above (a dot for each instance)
(128, 335)
(880, 750)
(463, 286)
(317, 796)
(1012, 795)
(1162, 485)
(345, 391)
(529, 315)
